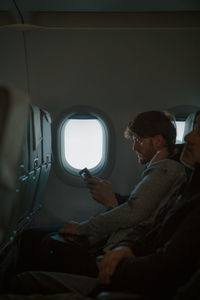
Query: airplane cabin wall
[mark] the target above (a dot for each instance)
(12, 59)
(121, 72)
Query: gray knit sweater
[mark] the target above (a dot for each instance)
(158, 183)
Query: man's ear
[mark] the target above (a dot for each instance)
(158, 142)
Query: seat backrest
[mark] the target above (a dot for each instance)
(25, 162)
(13, 124)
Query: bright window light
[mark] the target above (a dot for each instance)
(83, 141)
(180, 125)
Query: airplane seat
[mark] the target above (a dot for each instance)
(36, 164)
(13, 124)
(25, 162)
(46, 158)
(13, 119)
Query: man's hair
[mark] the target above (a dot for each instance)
(150, 124)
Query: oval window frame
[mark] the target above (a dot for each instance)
(181, 112)
(64, 171)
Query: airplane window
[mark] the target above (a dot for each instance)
(84, 137)
(180, 125)
(83, 142)
(181, 112)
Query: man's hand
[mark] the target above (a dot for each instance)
(110, 261)
(69, 228)
(102, 192)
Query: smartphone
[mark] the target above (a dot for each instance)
(85, 173)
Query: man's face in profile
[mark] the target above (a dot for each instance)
(144, 148)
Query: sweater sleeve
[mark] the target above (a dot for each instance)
(161, 179)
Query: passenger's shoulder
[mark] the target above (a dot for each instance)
(169, 164)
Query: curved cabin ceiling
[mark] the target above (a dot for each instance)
(101, 14)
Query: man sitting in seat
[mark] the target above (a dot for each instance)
(156, 261)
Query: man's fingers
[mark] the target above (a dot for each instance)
(105, 263)
(103, 278)
(69, 227)
(95, 195)
(92, 181)
(62, 231)
(107, 279)
(94, 188)
(113, 264)
(110, 262)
